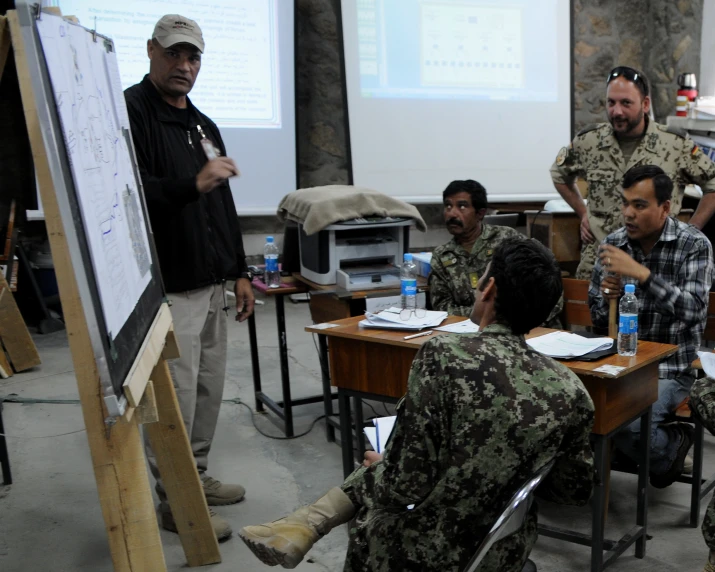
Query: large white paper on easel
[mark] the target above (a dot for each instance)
(94, 121)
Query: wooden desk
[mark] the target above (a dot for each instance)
(375, 364)
(329, 302)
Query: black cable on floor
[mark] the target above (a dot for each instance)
(234, 401)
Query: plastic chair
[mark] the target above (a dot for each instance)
(511, 518)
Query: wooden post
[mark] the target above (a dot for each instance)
(117, 450)
(613, 318)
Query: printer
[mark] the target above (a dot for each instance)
(357, 254)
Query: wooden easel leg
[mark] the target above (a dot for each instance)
(123, 487)
(175, 461)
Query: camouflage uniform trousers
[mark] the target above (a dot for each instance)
(601, 226)
(380, 541)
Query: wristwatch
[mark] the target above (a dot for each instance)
(248, 275)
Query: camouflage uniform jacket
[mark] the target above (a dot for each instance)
(595, 156)
(483, 412)
(702, 403)
(455, 272)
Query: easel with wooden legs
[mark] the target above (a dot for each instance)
(116, 448)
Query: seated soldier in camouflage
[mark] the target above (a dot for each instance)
(702, 403)
(483, 412)
(457, 265)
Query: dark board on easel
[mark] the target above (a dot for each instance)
(115, 352)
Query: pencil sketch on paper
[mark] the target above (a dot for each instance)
(93, 117)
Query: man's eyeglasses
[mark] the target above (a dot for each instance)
(631, 75)
(406, 314)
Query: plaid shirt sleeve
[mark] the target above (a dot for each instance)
(687, 296)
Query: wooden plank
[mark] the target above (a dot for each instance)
(117, 455)
(176, 464)
(148, 356)
(171, 349)
(15, 337)
(147, 411)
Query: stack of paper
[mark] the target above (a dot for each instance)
(568, 345)
(380, 433)
(463, 327)
(390, 319)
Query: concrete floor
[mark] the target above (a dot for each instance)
(50, 518)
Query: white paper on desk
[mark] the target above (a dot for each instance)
(390, 319)
(568, 345)
(708, 361)
(463, 327)
(380, 433)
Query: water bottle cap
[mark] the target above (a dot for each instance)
(630, 288)
(408, 257)
(269, 239)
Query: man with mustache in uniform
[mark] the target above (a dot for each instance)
(458, 265)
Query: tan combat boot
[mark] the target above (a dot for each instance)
(287, 541)
(710, 566)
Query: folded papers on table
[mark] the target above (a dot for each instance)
(568, 345)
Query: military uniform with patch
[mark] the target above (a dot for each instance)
(455, 272)
(483, 412)
(597, 156)
(702, 403)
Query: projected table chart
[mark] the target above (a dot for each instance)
(375, 364)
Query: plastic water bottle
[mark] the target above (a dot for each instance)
(271, 276)
(408, 283)
(628, 323)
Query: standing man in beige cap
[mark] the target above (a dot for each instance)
(184, 170)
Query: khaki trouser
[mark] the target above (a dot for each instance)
(198, 375)
(601, 227)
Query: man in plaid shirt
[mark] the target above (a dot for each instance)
(670, 262)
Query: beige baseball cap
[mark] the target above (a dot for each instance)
(174, 29)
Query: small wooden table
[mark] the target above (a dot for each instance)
(375, 364)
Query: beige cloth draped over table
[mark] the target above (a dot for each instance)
(318, 207)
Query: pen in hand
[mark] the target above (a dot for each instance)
(413, 336)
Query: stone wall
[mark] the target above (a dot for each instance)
(661, 37)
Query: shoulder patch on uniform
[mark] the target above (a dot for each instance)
(674, 130)
(588, 129)
(561, 157)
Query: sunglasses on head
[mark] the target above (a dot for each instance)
(631, 75)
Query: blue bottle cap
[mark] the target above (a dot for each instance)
(269, 239)
(630, 288)
(408, 257)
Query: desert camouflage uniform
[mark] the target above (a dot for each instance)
(455, 273)
(483, 412)
(596, 156)
(702, 402)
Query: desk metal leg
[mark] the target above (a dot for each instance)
(4, 457)
(643, 470)
(285, 376)
(346, 432)
(327, 392)
(598, 503)
(359, 434)
(255, 364)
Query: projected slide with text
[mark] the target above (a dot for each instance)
(473, 49)
(239, 80)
